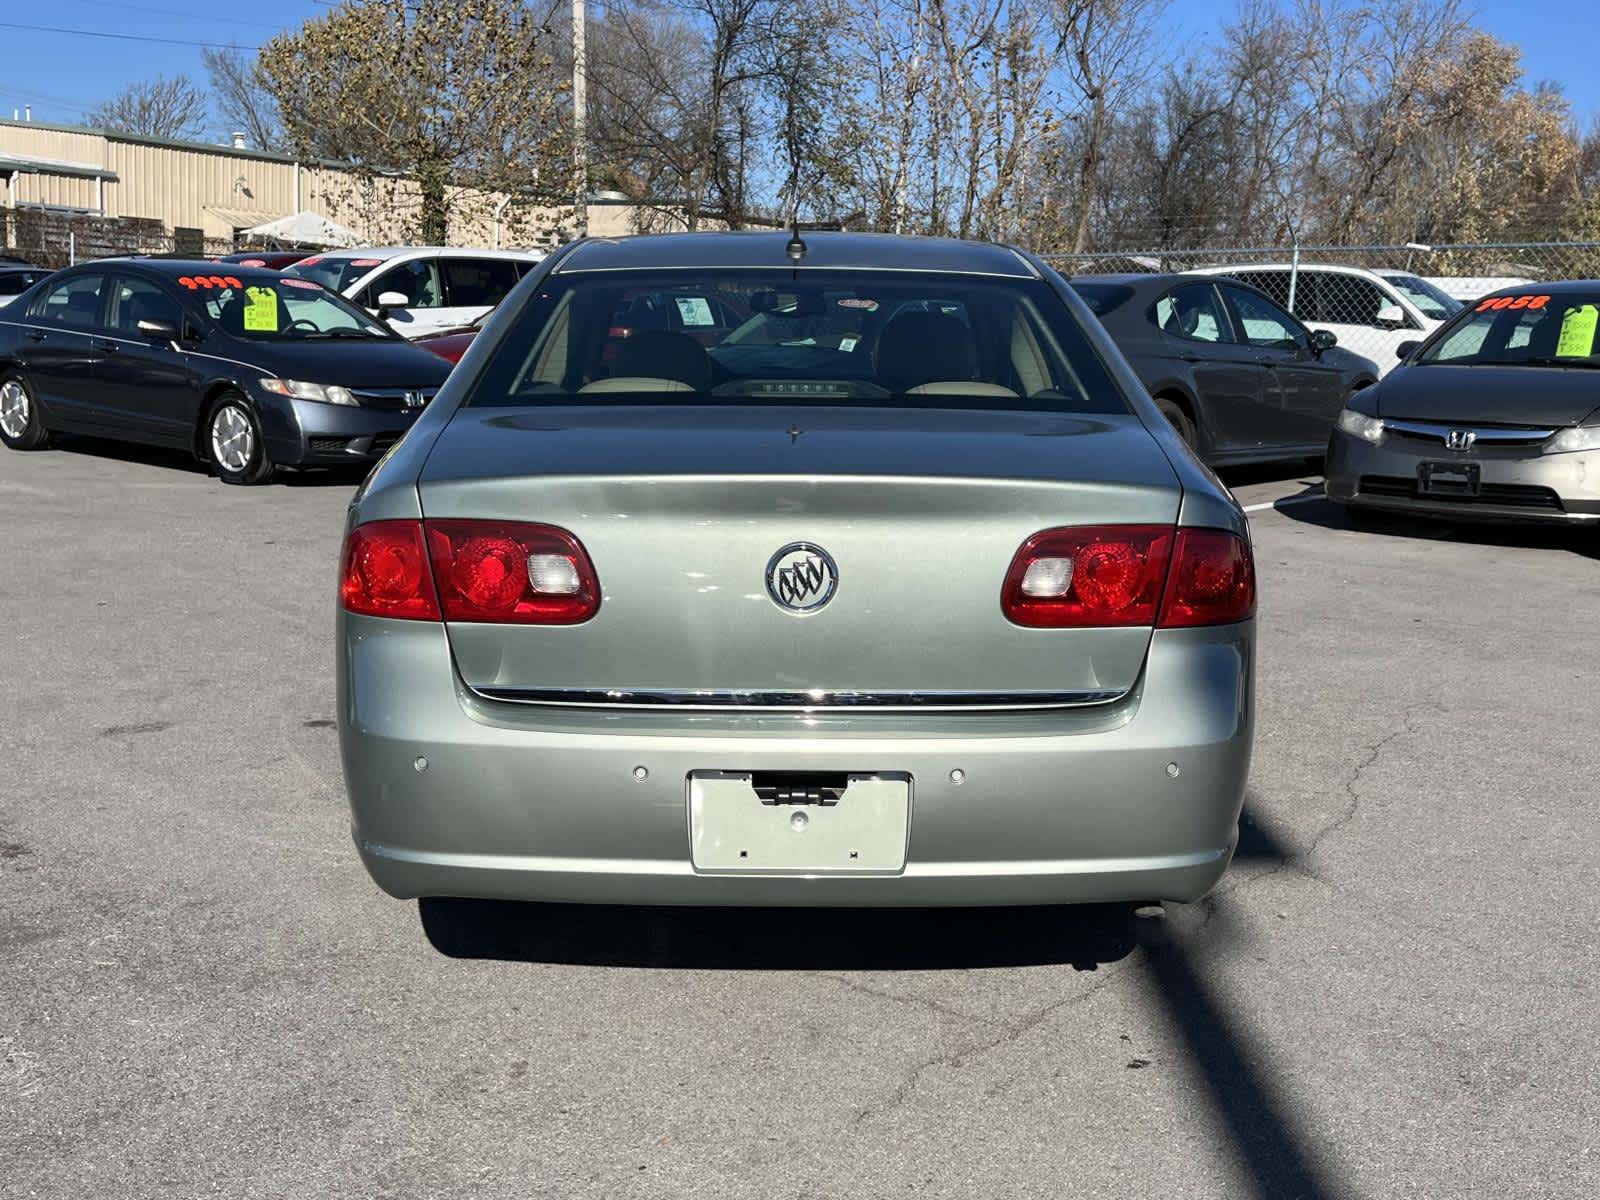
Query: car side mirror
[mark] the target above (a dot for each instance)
(159, 331)
(1323, 339)
(1405, 350)
(388, 301)
(1390, 316)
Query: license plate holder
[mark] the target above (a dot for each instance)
(1448, 479)
(732, 829)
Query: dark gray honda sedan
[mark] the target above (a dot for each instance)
(863, 572)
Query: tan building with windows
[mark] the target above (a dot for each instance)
(200, 196)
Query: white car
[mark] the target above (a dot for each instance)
(420, 290)
(1371, 312)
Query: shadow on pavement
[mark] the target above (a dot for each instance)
(1584, 541)
(183, 461)
(1258, 840)
(1307, 473)
(1272, 1149)
(779, 939)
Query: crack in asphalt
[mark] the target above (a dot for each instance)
(910, 998)
(959, 1058)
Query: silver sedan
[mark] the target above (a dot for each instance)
(1496, 416)
(731, 569)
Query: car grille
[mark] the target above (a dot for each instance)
(392, 399)
(1499, 495)
(1485, 437)
(358, 447)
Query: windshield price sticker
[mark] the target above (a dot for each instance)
(196, 282)
(1577, 332)
(302, 284)
(261, 310)
(1495, 303)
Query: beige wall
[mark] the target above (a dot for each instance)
(210, 189)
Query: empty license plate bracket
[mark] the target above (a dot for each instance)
(771, 822)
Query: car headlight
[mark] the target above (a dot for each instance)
(1360, 425)
(327, 393)
(1579, 437)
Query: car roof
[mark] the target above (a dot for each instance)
(385, 253)
(1283, 266)
(839, 251)
(1564, 287)
(175, 268)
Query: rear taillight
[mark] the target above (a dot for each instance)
(385, 572)
(1213, 580)
(1111, 575)
(1089, 576)
(467, 570)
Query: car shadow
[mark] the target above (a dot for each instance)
(1584, 541)
(1307, 472)
(181, 460)
(779, 939)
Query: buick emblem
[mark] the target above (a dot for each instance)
(801, 577)
(1459, 439)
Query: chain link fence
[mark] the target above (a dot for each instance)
(1374, 299)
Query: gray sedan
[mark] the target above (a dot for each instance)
(1495, 416)
(872, 578)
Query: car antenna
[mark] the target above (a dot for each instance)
(795, 247)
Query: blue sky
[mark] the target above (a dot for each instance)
(61, 74)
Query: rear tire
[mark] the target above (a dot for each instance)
(19, 415)
(231, 441)
(1179, 420)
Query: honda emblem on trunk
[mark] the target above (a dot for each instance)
(1459, 439)
(801, 577)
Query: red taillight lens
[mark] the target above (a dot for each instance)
(386, 572)
(502, 571)
(1088, 577)
(1213, 580)
(512, 573)
(1111, 575)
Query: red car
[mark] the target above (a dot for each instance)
(451, 344)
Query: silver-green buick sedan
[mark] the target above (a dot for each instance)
(759, 569)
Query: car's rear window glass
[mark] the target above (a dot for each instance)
(858, 338)
(1102, 297)
(1532, 329)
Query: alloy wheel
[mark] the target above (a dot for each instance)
(14, 408)
(233, 441)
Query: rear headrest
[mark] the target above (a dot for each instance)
(661, 355)
(924, 347)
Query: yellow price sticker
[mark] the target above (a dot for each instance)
(260, 310)
(1577, 332)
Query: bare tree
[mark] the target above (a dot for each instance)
(160, 107)
(243, 98)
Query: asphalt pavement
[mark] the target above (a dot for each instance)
(1391, 994)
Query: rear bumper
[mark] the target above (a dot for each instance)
(305, 433)
(543, 804)
(1560, 489)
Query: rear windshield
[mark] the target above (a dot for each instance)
(1531, 330)
(335, 274)
(857, 338)
(1431, 301)
(1102, 297)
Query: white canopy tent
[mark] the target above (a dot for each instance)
(304, 229)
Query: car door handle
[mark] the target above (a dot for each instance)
(36, 336)
(102, 344)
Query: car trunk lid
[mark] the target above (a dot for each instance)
(682, 510)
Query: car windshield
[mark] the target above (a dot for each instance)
(1431, 302)
(334, 273)
(279, 309)
(1528, 330)
(858, 338)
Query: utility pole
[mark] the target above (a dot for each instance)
(580, 117)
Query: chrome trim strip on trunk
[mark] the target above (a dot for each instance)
(796, 701)
(1437, 431)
